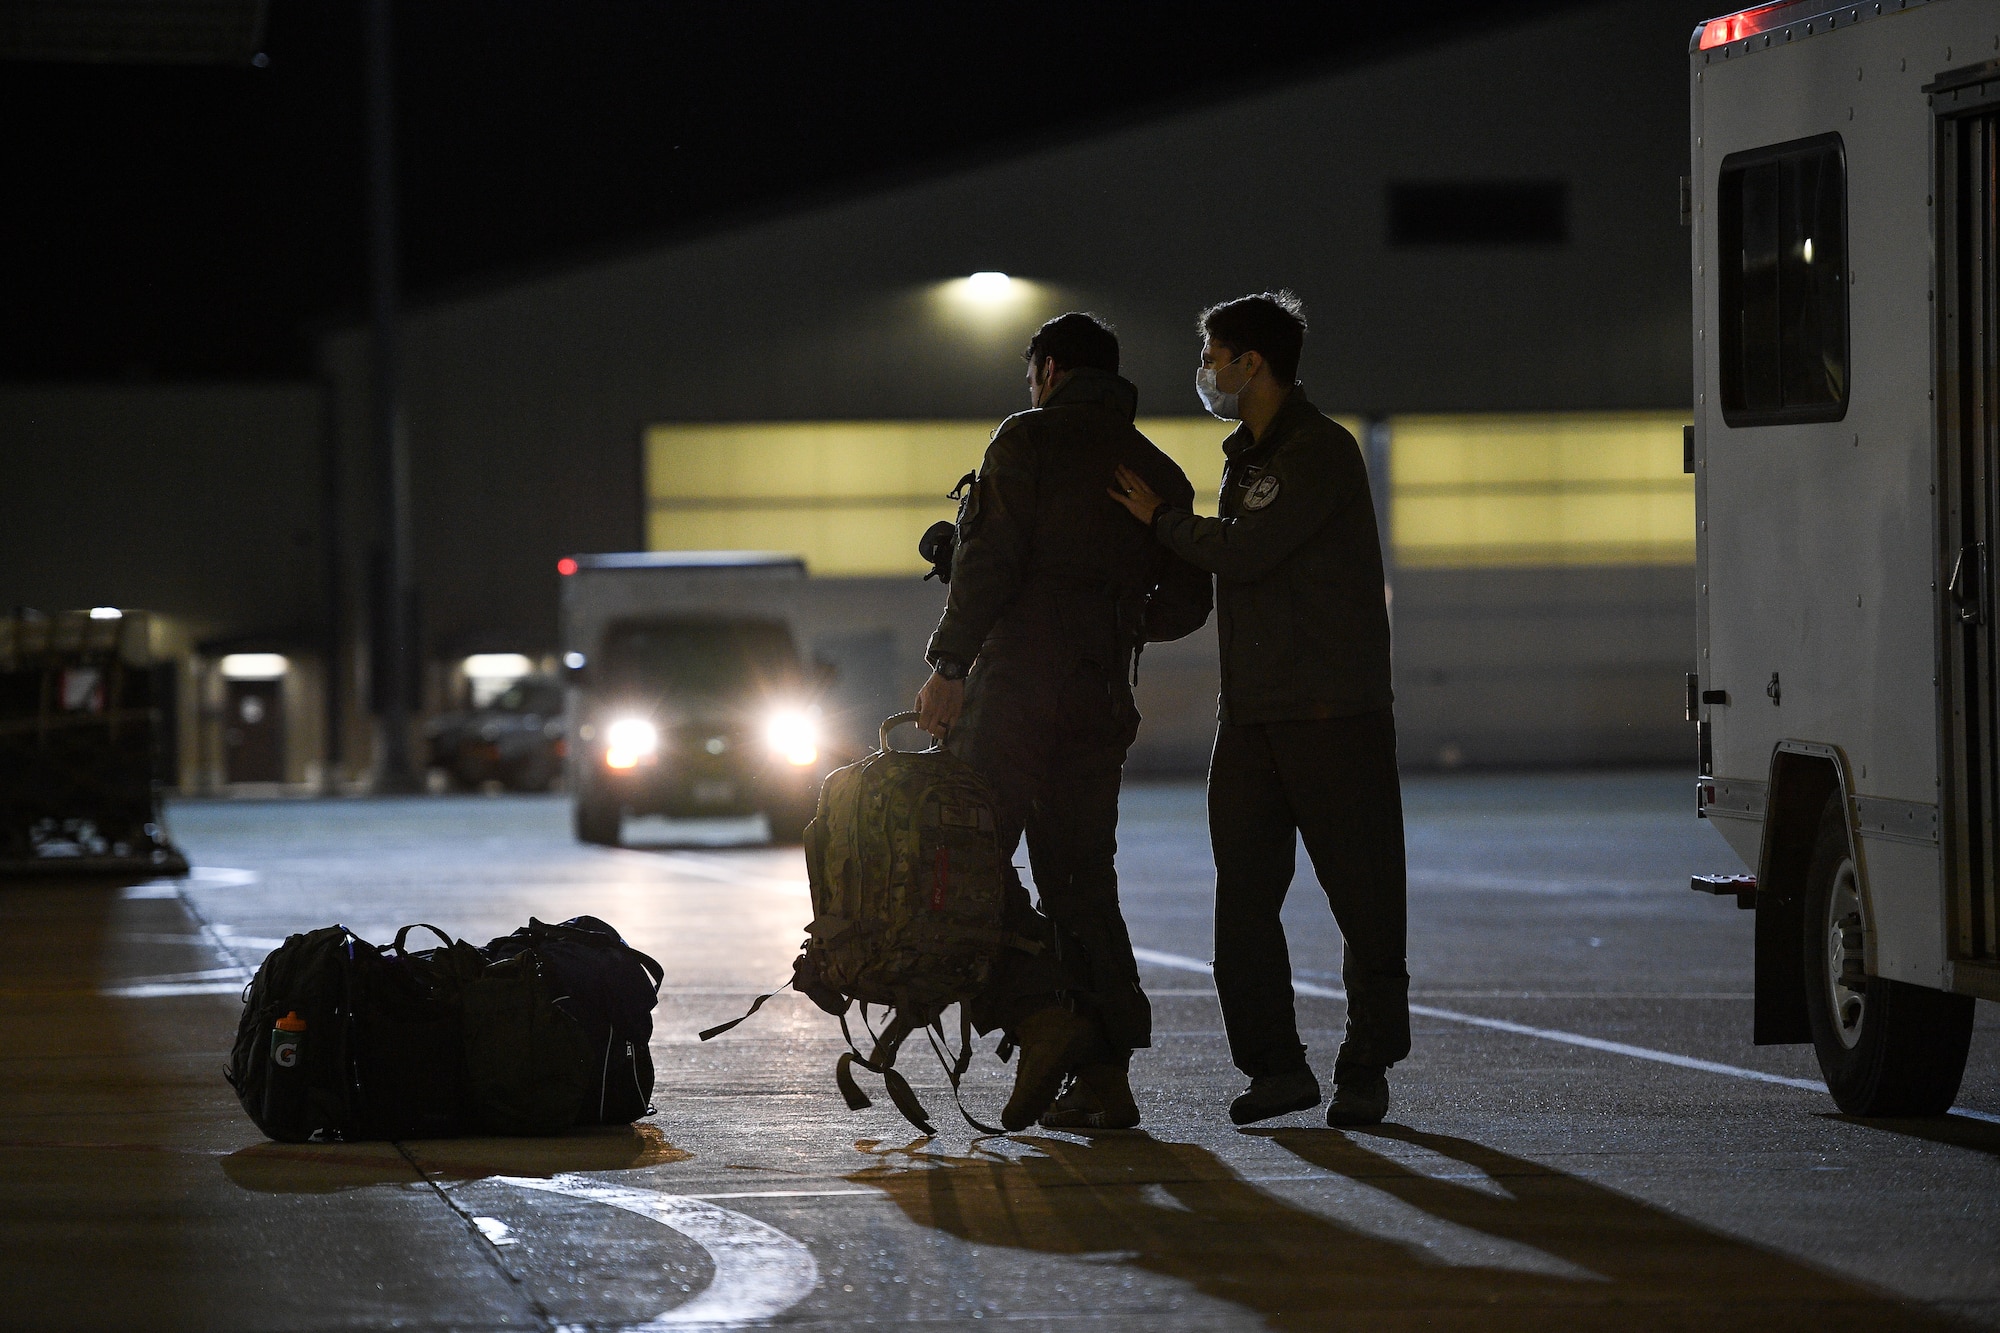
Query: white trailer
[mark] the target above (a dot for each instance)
(1845, 210)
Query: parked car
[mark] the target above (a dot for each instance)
(516, 740)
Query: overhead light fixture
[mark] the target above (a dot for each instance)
(498, 666)
(254, 666)
(106, 613)
(989, 286)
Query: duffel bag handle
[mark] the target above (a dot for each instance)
(890, 723)
(404, 934)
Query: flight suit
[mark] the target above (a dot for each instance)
(1053, 592)
(1305, 747)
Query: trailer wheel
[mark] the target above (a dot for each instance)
(598, 821)
(1887, 1048)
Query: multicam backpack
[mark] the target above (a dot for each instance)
(904, 861)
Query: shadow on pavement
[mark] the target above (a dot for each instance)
(1649, 1259)
(1174, 1209)
(1957, 1131)
(326, 1168)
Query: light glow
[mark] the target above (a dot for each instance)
(793, 737)
(1748, 23)
(106, 613)
(628, 740)
(565, 566)
(254, 666)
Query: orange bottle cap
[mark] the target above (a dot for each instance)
(292, 1023)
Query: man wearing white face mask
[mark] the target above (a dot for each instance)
(1306, 745)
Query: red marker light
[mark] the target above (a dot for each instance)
(1750, 22)
(565, 566)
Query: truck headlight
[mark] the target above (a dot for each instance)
(629, 740)
(793, 737)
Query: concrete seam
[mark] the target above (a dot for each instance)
(543, 1318)
(209, 932)
(485, 1243)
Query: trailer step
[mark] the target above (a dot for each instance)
(1743, 886)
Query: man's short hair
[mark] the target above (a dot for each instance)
(1076, 341)
(1271, 323)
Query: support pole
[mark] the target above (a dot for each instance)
(394, 771)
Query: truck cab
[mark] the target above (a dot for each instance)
(1845, 233)
(688, 694)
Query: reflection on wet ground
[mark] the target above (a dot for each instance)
(318, 1168)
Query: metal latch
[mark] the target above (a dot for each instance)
(1968, 583)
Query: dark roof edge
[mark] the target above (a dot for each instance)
(942, 167)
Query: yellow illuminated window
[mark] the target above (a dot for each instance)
(852, 497)
(1585, 488)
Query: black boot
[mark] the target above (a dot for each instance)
(1276, 1094)
(1359, 1098)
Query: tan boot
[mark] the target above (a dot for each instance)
(1051, 1042)
(1100, 1098)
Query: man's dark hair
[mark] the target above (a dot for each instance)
(1076, 341)
(1271, 323)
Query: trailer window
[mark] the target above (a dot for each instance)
(1781, 265)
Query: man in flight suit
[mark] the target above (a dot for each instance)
(1306, 745)
(1053, 591)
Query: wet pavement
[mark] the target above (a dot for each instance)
(1582, 1138)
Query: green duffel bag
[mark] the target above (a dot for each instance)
(908, 893)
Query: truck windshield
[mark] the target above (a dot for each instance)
(698, 656)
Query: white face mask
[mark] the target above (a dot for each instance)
(1219, 404)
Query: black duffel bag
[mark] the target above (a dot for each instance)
(343, 1039)
(610, 988)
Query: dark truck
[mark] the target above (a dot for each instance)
(696, 714)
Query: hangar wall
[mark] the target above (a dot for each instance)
(526, 404)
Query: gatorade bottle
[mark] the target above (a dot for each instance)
(285, 1081)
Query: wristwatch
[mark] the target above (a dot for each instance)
(950, 668)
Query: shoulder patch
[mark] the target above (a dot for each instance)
(1262, 492)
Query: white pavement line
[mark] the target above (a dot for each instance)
(214, 981)
(222, 876)
(760, 1272)
(789, 1194)
(1186, 964)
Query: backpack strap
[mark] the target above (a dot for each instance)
(721, 1028)
(881, 1060)
(954, 1069)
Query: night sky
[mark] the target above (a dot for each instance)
(171, 222)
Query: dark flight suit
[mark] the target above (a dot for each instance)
(1053, 590)
(1306, 745)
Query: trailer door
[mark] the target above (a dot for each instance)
(1967, 214)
